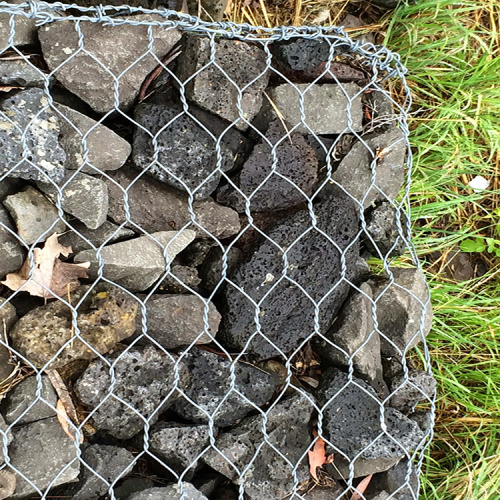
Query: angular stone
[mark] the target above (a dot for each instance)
(243, 68)
(301, 53)
(8, 317)
(16, 406)
(181, 279)
(402, 480)
(356, 170)
(212, 10)
(43, 453)
(314, 264)
(185, 145)
(211, 269)
(404, 312)
(105, 317)
(383, 495)
(295, 161)
(423, 418)
(115, 49)
(332, 493)
(178, 446)
(170, 492)
(27, 113)
(419, 386)
(144, 378)
(381, 110)
(110, 462)
(198, 252)
(10, 248)
(7, 483)
(154, 206)
(106, 149)
(178, 320)
(137, 264)
(383, 237)
(353, 335)
(132, 485)
(24, 29)
(270, 475)
(210, 384)
(324, 107)
(35, 216)
(351, 420)
(105, 234)
(21, 73)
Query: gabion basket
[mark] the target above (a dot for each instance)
(208, 285)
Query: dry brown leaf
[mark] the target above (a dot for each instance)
(64, 420)
(49, 272)
(317, 456)
(361, 488)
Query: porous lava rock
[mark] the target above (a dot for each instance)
(301, 53)
(10, 247)
(170, 492)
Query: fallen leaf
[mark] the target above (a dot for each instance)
(317, 456)
(64, 420)
(361, 488)
(51, 277)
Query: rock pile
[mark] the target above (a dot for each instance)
(223, 224)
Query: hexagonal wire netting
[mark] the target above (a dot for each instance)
(307, 156)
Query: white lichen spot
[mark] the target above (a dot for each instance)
(67, 50)
(40, 152)
(6, 126)
(44, 101)
(47, 165)
(269, 279)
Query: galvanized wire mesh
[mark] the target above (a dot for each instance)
(384, 73)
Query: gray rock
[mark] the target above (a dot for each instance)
(154, 206)
(42, 452)
(10, 185)
(383, 238)
(178, 446)
(314, 263)
(178, 320)
(5, 438)
(181, 279)
(7, 483)
(144, 378)
(353, 335)
(105, 317)
(212, 10)
(324, 107)
(301, 53)
(388, 4)
(270, 475)
(107, 233)
(8, 317)
(351, 21)
(132, 485)
(24, 31)
(137, 264)
(332, 493)
(383, 495)
(211, 270)
(400, 480)
(21, 73)
(401, 307)
(210, 384)
(198, 252)
(43, 158)
(114, 49)
(17, 409)
(10, 248)
(419, 386)
(295, 160)
(356, 170)
(171, 492)
(35, 216)
(381, 108)
(186, 155)
(423, 418)
(106, 149)
(110, 462)
(243, 63)
(351, 420)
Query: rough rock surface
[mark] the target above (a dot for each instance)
(43, 157)
(302, 54)
(137, 264)
(24, 33)
(16, 406)
(171, 492)
(211, 269)
(357, 168)
(401, 478)
(144, 378)
(20, 73)
(106, 149)
(110, 462)
(420, 386)
(132, 485)
(10, 247)
(381, 110)
(154, 206)
(41, 451)
(401, 306)
(245, 65)
(295, 160)
(6, 435)
(181, 279)
(178, 320)
(116, 48)
(324, 107)
(83, 196)
(269, 476)
(187, 157)
(352, 422)
(8, 317)
(35, 216)
(211, 382)
(286, 316)
(105, 317)
(332, 493)
(177, 445)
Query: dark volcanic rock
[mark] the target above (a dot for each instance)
(419, 386)
(381, 110)
(270, 475)
(181, 279)
(295, 160)
(211, 382)
(313, 263)
(43, 157)
(25, 29)
(402, 478)
(211, 270)
(245, 67)
(186, 158)
(171, 492)
(8, 317)
(21, 73)
(144, 378)
(10, 248)
(301, 53)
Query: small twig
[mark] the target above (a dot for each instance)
(64, 395)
